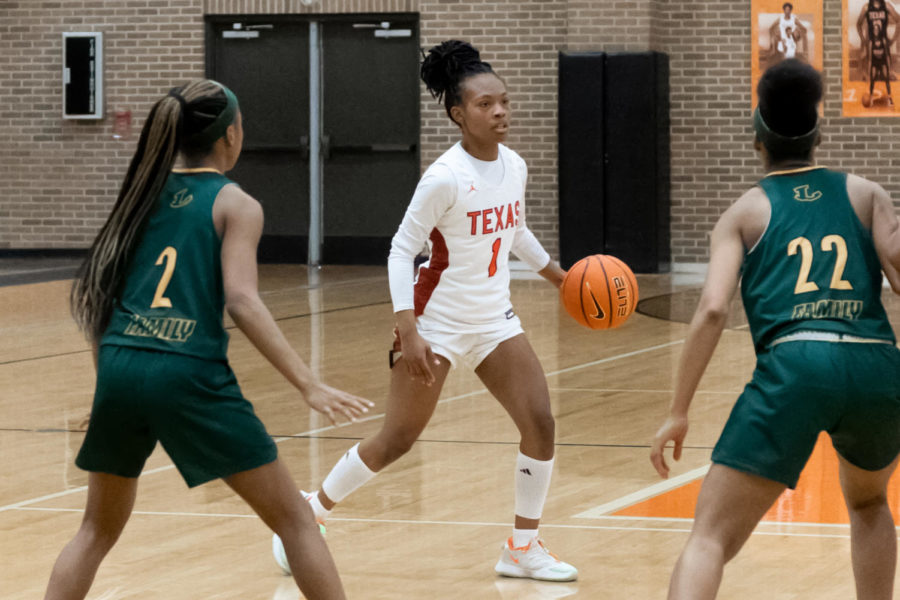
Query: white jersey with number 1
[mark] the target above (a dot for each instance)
(472, 214)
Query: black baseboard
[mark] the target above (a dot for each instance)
(43, 252)
(19, 266)
(336, 250)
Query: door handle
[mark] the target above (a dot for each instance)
(393, 147)
(372, 149)
(304, 145)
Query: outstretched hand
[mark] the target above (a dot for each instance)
(674, 429)
(333, 403)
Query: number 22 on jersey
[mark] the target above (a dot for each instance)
(167, 257)
(829, 243)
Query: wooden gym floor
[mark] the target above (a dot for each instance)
(431, 525)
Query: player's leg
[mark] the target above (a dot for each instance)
(513, 374)
(873, 538)
(409, 407)
(109, 502)
(272, 494)
(730, 505)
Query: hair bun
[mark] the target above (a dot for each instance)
(445, 62)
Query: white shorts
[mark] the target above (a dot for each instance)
(467, 348)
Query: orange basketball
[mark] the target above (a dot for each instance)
(599, 292)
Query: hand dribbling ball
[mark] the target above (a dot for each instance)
(599, 291)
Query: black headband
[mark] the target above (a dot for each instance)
(781, 144)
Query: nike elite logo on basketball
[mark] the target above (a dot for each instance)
(600, 314)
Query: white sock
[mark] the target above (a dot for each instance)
(522, 537)
(320, 511)
(349, 474)
(532, 483)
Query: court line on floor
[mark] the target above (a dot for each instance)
(638, 391)
(643, 494)
(363, 420)
(579, 527)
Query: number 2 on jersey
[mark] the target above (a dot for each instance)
(167, 256)
(495, 251)
(829, 243)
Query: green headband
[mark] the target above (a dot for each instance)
(780, 144)
(217, 128)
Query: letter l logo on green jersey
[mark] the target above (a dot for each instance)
(801, 194)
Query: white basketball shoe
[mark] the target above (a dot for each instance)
(533, 561)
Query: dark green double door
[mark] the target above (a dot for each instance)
(369, 113)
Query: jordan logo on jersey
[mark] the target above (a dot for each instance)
(181, 198)
(802, 194)
(472, 187)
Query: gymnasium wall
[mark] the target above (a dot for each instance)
(59, 178)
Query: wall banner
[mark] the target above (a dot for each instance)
(783, 30)
(870, 49)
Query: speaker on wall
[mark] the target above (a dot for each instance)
(83, 75)
(614, 158)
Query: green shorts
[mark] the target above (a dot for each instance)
(800, 388)
(193, 407)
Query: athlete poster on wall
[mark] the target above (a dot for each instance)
(870, 50)
(783, 30)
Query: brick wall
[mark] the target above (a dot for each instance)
(614, 25)
(58, 178)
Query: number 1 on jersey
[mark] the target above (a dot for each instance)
(167, 256)
(495, 250)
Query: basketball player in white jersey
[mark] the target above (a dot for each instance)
(786, 30)
(470, 207)
(788, 45)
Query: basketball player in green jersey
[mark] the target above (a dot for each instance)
(808, 246)
(178, 249)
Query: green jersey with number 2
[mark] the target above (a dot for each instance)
(173, 299)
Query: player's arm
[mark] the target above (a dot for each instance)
(726, 257)
(859, 27)
(801, 34)
(434, 195)
(774, 34)
(527, 247)
(886, 234)
(892, 13)
(239, 218)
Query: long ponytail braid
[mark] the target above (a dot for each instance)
(172, 119)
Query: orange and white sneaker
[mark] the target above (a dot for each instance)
(278, 547)
(533, 561)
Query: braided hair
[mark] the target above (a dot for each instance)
(447, 66)
(177, 122)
